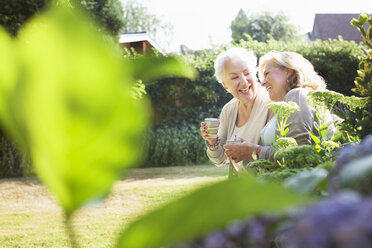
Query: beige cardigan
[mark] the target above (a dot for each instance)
(259, 116)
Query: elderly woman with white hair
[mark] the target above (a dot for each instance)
(246, 114)
(287, 76)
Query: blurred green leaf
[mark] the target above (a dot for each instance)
(307, 181)
(83, 126)
(148, 68)
(206, 209)
(356, 170)
(9, 74)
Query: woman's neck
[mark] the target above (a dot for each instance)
(244, 112)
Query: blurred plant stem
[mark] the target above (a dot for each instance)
(71, 232)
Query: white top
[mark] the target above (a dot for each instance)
(250, 131)
(268, 132)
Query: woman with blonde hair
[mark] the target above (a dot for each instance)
(287, 76)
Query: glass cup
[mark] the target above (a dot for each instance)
(212, 126)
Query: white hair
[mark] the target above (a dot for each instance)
(235, 52)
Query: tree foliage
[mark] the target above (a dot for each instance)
(14, 14)
(138, 17)
(261, 26)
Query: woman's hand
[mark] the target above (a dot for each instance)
(239, 152)
(204, 134)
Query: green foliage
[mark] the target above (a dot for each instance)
(326, 141)
(283, 110)
(352, 111)
(71, 132)
(157, 68)
(138, 17)
(10, 159)
(172, 145)
(363, 81)
(109, 13)
(328, 165)
(357, 175)
(284, 142)
(357, 116)
(308, 181)
(14, 14)
(297, 156)
(278, 175)
(206, 209)
(352, 123)
(359, 24)
(76, 117)
(262, 27)
(262, 166)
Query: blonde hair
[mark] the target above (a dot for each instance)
(303, 74)
(235, 52)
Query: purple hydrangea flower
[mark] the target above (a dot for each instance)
(339, 221)
(255, 232)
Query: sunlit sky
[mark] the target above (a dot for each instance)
(200, 23)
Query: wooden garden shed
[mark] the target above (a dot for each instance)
(140, 41)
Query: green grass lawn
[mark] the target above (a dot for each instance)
(30, 217)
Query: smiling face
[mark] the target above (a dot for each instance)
(275, 81)
(239, 80)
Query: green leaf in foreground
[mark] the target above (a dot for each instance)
(68, 102)
(83, 126)
(206, 209)
(306, 181)
(155, 67)
(8, 75)
(354, 172)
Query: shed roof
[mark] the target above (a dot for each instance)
(139, 36)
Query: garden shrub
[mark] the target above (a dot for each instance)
(10, 159)
(172, 145)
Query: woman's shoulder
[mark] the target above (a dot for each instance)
(233, 103)
(296, 94)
